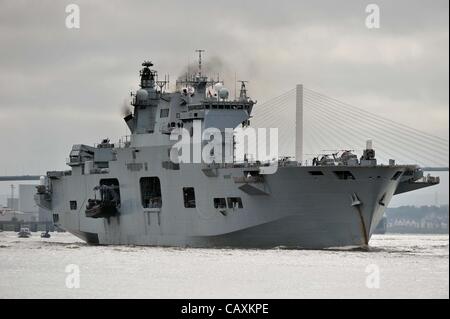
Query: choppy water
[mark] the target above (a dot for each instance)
(410, 266)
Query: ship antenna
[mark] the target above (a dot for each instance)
(199, 61)
(243, 91)
(235, 81)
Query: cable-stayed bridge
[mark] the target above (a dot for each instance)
(310, 123)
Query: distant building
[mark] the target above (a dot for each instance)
(13, 215)
(12, 203)
(26, 199)
(24, 207)
(424, 219)
(24, 211)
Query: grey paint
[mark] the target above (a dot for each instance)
(291, 208)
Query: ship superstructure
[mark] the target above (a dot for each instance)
(134, 193)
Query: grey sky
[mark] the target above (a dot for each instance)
(59, 86)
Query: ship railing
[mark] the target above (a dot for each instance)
(124, 141)
(219, 105)
(73, 161)
(283, 162)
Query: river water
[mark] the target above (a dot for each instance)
(395, 266)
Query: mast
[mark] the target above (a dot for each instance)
(243, 91)
(199, 61)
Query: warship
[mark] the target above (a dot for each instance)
(133, 192)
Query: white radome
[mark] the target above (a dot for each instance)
(141, 95)
(224, 93)
(218, 86)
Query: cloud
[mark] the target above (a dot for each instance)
(69, 85)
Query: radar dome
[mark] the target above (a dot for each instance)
(223, 93)
(218, 86)
(141, 95)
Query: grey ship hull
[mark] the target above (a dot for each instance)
(298, 206)
(290, 208)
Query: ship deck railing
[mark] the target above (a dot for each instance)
(286, 162)
(124, 142)
(252, 164)
(220, 105)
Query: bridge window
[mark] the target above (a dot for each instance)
(189, 197)
(344, 174)
(102, 164)
(164, 113)
(396, 175)
(220, 203)
(235, 202)
(73, 204)
(150, 192)
(315, 173)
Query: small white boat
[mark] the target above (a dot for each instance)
(24, 232)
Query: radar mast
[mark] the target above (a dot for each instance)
(243, 91)
(199, 61)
